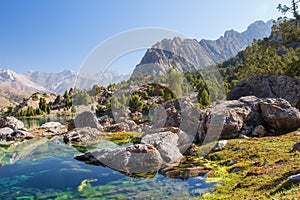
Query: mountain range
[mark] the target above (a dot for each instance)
(185, 54)
(189, 54)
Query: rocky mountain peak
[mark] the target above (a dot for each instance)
(189, 54)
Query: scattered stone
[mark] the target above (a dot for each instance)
(295, 178)
(243, 136)
(236, 169)
(296, 147)
(220, 145)
(105, 120)
(297, 134)
(132, 125)
(136, 116)
(259, 131)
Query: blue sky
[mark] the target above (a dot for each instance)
(53, 35)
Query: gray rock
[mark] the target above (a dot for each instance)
(87, 119)
(279, 114)
(166, 143)
(83, 135)
(190, 55)
(141, 158)
(171, 142)
(21, 134)
(4, 132)
(10, 134)
(136, 116)
(243, 136)
(295, 177)
(259, 131)
(105, 120)
(11, 122)
(266, 86)
(220, 145)
(119, 127)
(132, 125)
(229, 119)
(52, 125)
(169, 152)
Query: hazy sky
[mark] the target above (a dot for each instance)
(52, 35)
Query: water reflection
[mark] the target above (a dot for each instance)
(35, 122)
(46, 169)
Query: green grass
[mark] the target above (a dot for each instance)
(255, 168)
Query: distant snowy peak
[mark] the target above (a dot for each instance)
(10, 78)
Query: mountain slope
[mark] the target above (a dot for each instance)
(62, 81)
(15, 87)
(189, 55)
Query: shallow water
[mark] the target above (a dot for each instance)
(46, 169)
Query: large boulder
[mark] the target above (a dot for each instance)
(11, 122)
(279, 115)
(267, 86)
(85, 119)
(179, 113)
(166, 143)
(229, 119)
(139, 158)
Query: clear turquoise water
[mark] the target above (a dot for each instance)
(46, 169)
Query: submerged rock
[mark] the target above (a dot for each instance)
(140, 158)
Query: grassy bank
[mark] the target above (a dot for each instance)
(255, 168)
